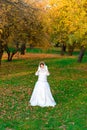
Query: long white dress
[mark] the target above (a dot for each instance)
(41, 95)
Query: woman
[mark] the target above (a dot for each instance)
(41, 95)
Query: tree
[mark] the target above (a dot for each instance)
(22, 23)
(1, 49)
(68, 23)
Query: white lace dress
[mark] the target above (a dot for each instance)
(41, 95)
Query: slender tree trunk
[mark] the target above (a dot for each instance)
(70, 50)
(81, 54)
(8, 51)
(11, 55)
(23, 48)
(1, 50)
(63, 49)
(1, 54)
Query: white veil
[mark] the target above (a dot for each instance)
(45, 66)
(45, 69)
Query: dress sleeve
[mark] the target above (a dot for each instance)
(37, 73)
(47, 72)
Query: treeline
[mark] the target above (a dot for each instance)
(20, 24)
(68, 22)
(38, 23)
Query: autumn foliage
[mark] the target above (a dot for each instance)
(37, 23)
(68, 22)
(20, 24)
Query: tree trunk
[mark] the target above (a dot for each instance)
(70, 50)
(1, 50)
(63, 49)
(8, 51)
(11, 55)
(81, 54)
(23, 48)
(1, 54)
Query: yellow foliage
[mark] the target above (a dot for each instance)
(68, 17)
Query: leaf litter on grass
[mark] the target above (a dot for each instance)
(68, 91)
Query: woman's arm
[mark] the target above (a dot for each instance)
(37, 73)
(47, 71)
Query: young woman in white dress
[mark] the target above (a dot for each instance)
(41, 95)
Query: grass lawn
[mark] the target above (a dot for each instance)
(68, 82)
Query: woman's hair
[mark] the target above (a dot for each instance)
(42, 63)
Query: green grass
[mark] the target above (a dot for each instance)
(68, 82)
(45, 50)
(53, 50)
